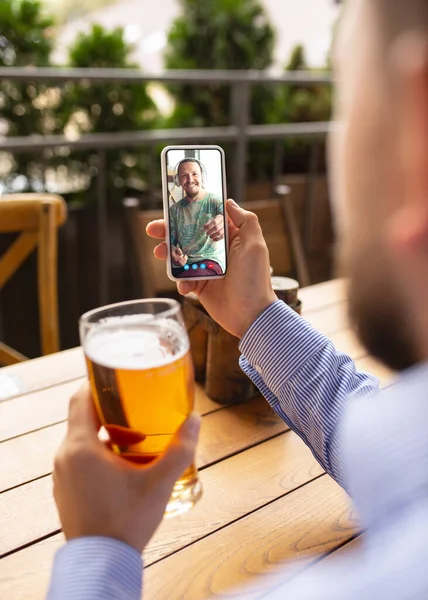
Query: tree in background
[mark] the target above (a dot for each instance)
(218, 34)
(300, 103)
(74, 108)
(25, 107)
(304, 103)
(89, 107)
(236, 34)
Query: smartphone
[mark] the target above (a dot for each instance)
(194, 200)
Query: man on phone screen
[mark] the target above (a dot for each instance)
(196, 226)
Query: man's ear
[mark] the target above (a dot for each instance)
(409, 62)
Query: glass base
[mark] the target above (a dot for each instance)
(184, 495)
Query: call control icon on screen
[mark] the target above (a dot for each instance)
(203, 266)
(194, 267)
(186, 267)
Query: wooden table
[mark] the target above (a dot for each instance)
(266, 500)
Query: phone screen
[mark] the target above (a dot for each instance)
(196, 212)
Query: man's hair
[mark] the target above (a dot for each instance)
(187, 160)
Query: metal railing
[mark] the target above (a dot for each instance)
(240, 131)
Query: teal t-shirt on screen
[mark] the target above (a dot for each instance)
(187, 220)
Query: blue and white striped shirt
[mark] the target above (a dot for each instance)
(373, 443)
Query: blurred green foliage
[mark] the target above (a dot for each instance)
(24, 40)
(216, 34)
(236, 34)
(213, 34)
(74, 108)
(221, 34)
(300, 103)
(89, 107)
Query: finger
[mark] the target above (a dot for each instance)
(124, 436)
(161, 251)
(135, 457)
(209, 224)
(247, 222)
(83, 420)
(238, 215)
(156, 229)
(180, 453)
(178, 251)
(232, 229)
(213, 229)
(217, 237)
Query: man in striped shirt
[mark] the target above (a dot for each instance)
(373, 443)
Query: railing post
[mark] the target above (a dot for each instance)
(151, 176)
(102, 228)
(311, 179)
(278, 162)
(241, 98)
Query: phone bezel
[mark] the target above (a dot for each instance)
(165, 195)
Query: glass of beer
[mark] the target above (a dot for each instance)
(141, 373)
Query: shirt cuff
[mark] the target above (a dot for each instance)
(96, 568)
(280, 342)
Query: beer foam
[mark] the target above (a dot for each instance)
(149, 346)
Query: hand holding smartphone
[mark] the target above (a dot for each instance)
(194, 196)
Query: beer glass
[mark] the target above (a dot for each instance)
(139, 365)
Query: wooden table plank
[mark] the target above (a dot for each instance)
(23, 459)
(320, 295)
(232, 489)
(30, 456)
(223, 434)
(330, 319)
(39, 409)
(46, 371)
(35, 410)
(238, 486)
(277, 582)
(300, 526)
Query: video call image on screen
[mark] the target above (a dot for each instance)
(196, 213)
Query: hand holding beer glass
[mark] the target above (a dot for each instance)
(141, 375)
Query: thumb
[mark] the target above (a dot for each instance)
(181, 451)
(185, 287)
(239, 216)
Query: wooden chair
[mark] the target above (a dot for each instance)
(151, 272)
(36, 217)
(280, 229)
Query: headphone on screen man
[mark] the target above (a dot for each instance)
(204, 174)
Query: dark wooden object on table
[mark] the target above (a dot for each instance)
(36, 217)
(215, 356)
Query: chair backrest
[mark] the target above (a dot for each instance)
(152, 274)
(36, 217)
(272, 222)
(151, 271)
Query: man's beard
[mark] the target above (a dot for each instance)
(192, 192)
(379, 314)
